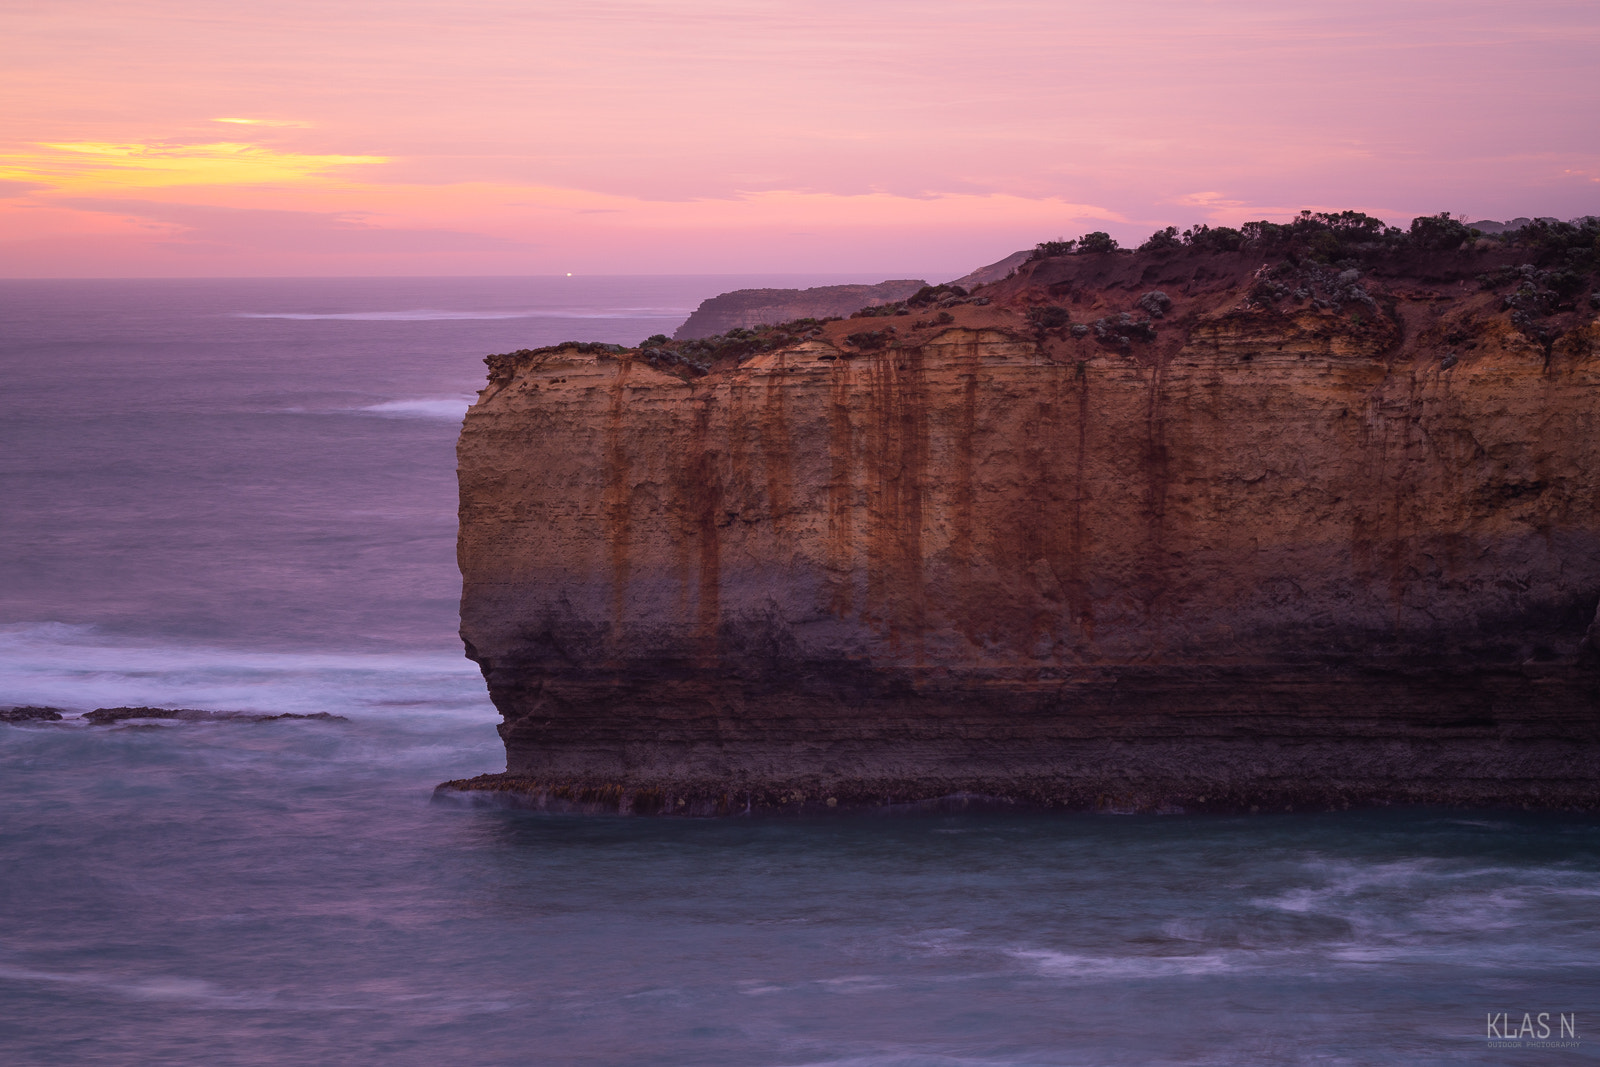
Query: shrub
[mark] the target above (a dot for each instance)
(1155, 302)
(1162, 239)
(929, 295)
(870, 340)
(1439, 233)
(1574, 245)
(1049, 317)
(1122, 330)
(1098, 241)
(1207, 239)
(1058, 247)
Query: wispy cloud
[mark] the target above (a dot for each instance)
(210, 229)
(263, 122)
(86, 165)
(707, 134)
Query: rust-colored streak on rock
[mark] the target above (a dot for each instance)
(841, 491)
(706, 496)
(963, 490)
(1155, 463)
(1052, 624)
(777, 450)
(1081, 606)
(896, 465)
(618, 497)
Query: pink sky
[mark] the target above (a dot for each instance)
(175, 137)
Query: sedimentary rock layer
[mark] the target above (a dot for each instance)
(1254, 552)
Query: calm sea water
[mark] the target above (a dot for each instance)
(240, 495)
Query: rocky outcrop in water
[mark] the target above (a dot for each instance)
(30, 713)
(1176, 530)
(112, 716)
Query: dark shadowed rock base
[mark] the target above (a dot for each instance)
(1236, 741)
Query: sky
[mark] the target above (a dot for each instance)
(143, 138)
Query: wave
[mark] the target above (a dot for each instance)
(1070, 965)
(437, 315)
(193, 991)
(452, 408)
(77, 668)
(200, 993)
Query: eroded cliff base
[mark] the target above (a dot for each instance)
(1113, 796)
(1145, 742)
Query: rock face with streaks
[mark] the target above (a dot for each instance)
(1081, 545)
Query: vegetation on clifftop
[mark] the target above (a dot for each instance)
(1323, 262)
(1352, 238)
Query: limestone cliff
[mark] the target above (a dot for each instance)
(1191, 530)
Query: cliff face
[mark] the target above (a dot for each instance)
(744, 308)
(1336, 547)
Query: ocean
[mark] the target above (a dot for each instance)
(239, 495)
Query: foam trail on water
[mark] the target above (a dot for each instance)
(452, 408)
(76, 668)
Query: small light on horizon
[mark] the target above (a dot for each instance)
(569, 274)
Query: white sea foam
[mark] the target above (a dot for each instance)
(198, 993)
(1072, 965)
(170, 989)
(79, 668)
(452, 408)
(439, 315)
(854, 983)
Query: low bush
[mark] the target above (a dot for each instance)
(1439, 233)
(1048, 317)
(930, 295)
(1058, 247)
(1162, 239)
(870, 340)
(1098, 241)
(1155, 303)
(1122, 330)
(1209, 239)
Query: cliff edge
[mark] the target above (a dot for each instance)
(1270, 525)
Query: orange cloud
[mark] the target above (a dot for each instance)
(263, 122)
(86, 165)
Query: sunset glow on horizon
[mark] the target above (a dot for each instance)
(169, 137)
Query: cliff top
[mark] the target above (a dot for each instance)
(1540, 278)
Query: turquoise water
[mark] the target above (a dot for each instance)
(239, 496)
(286, 893)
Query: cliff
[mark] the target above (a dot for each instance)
(747, 308)
(1180, 530)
